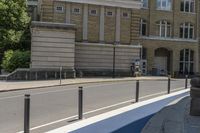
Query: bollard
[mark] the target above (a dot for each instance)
(186, 81)
(195, 96)
(169, 85)
(80, 103)
(60, 75)
(137, 91)
(26, 113)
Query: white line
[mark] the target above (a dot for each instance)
(33, 94)
(96, 110)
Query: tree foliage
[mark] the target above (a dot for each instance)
(15, 59)
(14, 21)
(14, 26)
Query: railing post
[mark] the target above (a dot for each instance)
(186, 81)
(137, 91)
(169, 85)
(80, 103)
(27, 113)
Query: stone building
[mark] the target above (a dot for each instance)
(103, 45)
(166, 29)
(169, 36)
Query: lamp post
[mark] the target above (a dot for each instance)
(113, 69)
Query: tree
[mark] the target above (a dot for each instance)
(14, 25)
(15, 59)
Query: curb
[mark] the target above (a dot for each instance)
(86, 82)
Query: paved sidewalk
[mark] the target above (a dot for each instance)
(12, 86)
(174, 119)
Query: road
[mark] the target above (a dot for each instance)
(53, 107)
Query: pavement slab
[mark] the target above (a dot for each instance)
(174, 118)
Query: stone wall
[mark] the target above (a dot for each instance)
(52, 45)
(97, 59)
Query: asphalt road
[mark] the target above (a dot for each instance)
(53, 107)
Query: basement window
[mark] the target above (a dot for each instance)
(125, 15)
(93, 12)
(109, 13)
(76, 11)
(59, 9)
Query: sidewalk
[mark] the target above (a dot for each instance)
(13, 86)
(174, 119)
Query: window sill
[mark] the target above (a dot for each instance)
(164, 10)
(194, 13)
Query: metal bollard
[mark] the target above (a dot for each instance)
(169, 85)
(137, 91)
(60, 75)
(27, 113)
(80, 103)
(186, 81)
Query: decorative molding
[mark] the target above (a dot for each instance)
(112, 3)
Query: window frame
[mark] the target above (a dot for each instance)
(74, 12)
(147, 3)
(189, 6)
(162, 7)
(59, 11)
(90, 12)
(143, 22)
(187, 26)
(189, 61)
(166, 25)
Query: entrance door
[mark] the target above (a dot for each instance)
(161, 65)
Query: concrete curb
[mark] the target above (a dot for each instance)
(84, 82)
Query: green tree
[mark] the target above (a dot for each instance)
(14, 25)
(15, 59)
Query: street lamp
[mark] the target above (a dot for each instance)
(113, 69)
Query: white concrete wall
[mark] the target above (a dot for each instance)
(114, 120)
(100, 56)
(52, 48)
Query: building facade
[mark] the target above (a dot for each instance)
(168, 30)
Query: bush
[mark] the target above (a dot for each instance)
(15, 59)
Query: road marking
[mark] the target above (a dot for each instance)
(33, 94)
(100, 109)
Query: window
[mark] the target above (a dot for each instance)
(145, 3)
(76, 11)
(164, 28)
(143, 27)
(187, 31)
(59, 9)
(93, 12)
(187, 6)
(109, 13)
(125, 15)
(164, 4)
(186, 61)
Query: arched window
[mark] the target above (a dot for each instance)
(187, 31)
(143, 27)
(186, 61)
(164, 28)
(187, 6)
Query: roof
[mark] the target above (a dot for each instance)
(133, 4)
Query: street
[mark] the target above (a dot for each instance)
(54, 107)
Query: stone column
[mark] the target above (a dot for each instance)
(118, 24)
(85, 22)
(102, 19)
(68, 13)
